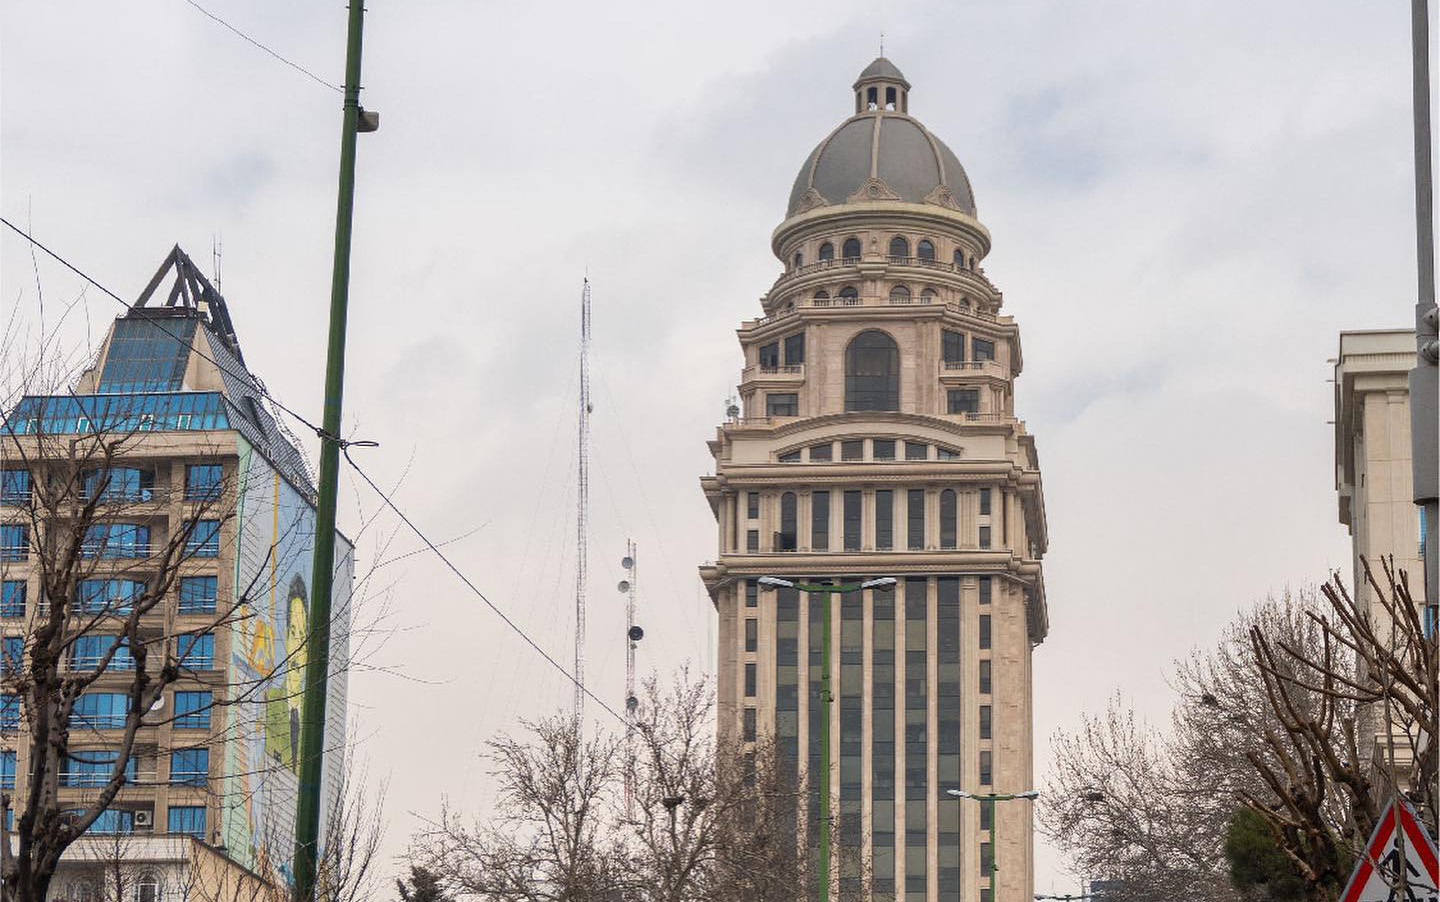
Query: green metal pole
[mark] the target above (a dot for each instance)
(994, 849)
(317, 650)
(825, 754)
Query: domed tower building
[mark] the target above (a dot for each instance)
(877, 438)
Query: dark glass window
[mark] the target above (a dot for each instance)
(147, 355)
(882, 758)
(192, 711)
(799, 259)
(752, 540)
(952, 346)
(12, 654)
(187, 819)
(197, 652)
(985, 722)
(88, 651)
(916, 733)
(203, 482)
(7, 769)
(14, 487)
(925, 250)
(850, 250)
(948, 710)
(790, 457)
(91, 768)
(959, 258)
(985, 684)
(917, 451)
(884, 520)
(752, 634)
(915, 519)
(120, 484)
(947, 519)
(943, 453)
(962, 400)
(10, 711)
(852, 520)
(108, 596)
(198, 594)
(100, 711)
(827, 251)
(787, 698)
(899, 295)
(189, 767)
(849, 291)
(748, 734)
(984, 631)
(12, 598)
(820, 521)
(822, 453)
(985, 589)
(118, 540)
(204, 539)
(178, 411)
(899, 247)
(788, 536)
(795, 349)
(981, 349)
(752, 594)
(984, 502)
(883, 449)
(782, 404)
(987, 778)
(770, 355)
(752, 505)
(872, 372)
(984, 537)
(852, 450)
(750, 680)
(14, 542)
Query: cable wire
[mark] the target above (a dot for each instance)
(581, 687)
(291, 63)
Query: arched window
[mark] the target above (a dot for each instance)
(899, 247)
(928, 296)
(959, 258)
(799, 259)
(785, 539)
(872, 372)
(822, 295)
(850, 250)
(925, 250)
(147, 888)
(827, 251)
(849, 292)
(972, 264)
(947, 518)
(899, 295)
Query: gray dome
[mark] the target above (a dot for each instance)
(882, 68)
(881, 156)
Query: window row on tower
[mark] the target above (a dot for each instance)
(897, 249)
(850, 520)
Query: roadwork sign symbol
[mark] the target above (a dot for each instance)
(1372, 883)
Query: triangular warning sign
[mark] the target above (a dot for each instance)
(1376, 876)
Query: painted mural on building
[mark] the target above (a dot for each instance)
(276, 526)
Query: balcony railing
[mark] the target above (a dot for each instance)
(983, 367)
(910, 301)
(946, 266)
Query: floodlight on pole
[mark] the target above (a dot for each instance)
(880, 583)
(775, 581)
(990, 799)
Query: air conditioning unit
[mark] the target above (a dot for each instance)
(145, 819)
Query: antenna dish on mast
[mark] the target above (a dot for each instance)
(627, 562)
(624, 585)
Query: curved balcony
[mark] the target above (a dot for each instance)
(974, 278)
(842, 302)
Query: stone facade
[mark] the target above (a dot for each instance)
(877, 437)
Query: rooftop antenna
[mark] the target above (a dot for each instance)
(633, 635)
(582, 509)
(215, 255)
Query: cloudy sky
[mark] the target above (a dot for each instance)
(1188, 202)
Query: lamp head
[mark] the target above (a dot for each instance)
(960, 793)
(878, 583)
(775, 581)
(1028, 794)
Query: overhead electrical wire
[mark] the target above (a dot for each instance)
(245, 37)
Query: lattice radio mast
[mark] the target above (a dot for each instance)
(633, 635)
(582, 502)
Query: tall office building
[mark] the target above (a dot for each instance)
(205, 475)
(878, 438)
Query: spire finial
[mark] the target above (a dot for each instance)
(882, 45)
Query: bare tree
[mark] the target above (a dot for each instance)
(548, 841)
(1273, 719)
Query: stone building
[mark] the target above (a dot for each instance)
(206, 470)
(878, 438)
(1373, 476)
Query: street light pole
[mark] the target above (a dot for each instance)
(990, 799)
(823, 869)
